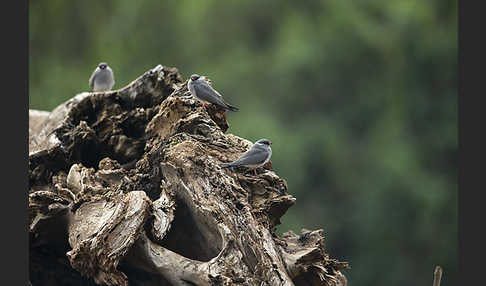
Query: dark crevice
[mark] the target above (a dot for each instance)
(121, 140)
(139, 277)
(48, 264)
(191, 238)
(150, 185)
(307, 278)
(45, 268)
(133, 128)
(44, 164)
(145, 100)
(89, 154)
(149, 179)
(188, 282)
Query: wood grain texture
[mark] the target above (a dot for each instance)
(126, 189)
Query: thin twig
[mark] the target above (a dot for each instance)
(437, 275)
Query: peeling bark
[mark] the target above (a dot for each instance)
(126, 189)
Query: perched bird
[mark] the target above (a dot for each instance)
(258, 155)
(102, 79)
(201, 90)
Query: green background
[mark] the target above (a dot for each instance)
(358, 97)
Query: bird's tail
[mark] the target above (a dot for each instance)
(226, 165)
(231, 107)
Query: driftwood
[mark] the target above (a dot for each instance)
(437, 275)
(126, 189)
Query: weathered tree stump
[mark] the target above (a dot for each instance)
(126, 189)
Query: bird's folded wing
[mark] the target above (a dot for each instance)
(207, 93)
(254, 156)
(91, 80)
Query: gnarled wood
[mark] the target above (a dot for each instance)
(126, 189)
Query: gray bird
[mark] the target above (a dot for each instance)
(201, 90)
(258, 155)
(102, 79)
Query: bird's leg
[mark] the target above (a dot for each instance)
(204, 105)
(254, 170)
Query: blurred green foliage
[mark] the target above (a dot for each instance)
(359, 98)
